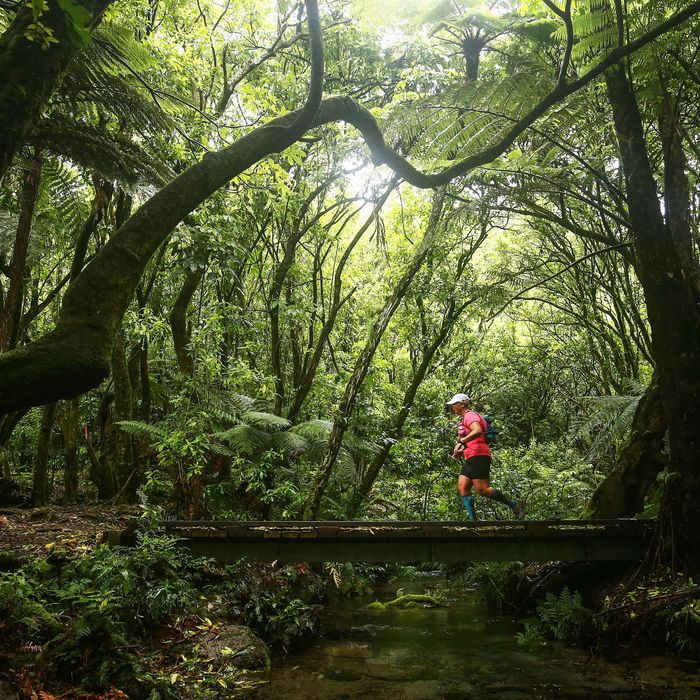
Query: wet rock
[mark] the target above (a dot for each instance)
(234, 646)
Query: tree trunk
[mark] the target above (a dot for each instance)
(103, 196)
(123, 410)
(472, 47)
(11, 308)
(674, 317)
(100, 473)
(622, 493)
(68, 420)
(340, 424)
(30, 72)
(40, 485)
(178, 321)
(677, 191)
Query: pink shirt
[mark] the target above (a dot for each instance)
(478, 446)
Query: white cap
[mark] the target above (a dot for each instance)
(459, 398)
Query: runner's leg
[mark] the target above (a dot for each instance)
(482, 487)
(464, 486)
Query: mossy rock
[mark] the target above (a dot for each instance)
(234, 646)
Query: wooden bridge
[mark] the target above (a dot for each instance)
(429, 541)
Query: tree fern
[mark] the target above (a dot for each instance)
(268, 422)
(607, 422)
(63, 187)
(246, 440)
(95, 148)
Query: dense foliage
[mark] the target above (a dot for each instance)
(217, 302)
(242, 348)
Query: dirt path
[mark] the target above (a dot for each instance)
(35, 532)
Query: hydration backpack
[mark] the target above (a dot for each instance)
(491, 431)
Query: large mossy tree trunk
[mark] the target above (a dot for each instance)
(31, 72)
(674, 315)
(622, 493)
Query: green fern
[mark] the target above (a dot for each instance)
(607, 421)
(564, 616)
(150, 432)
(95, 148)
(265, 421)
(246, 440)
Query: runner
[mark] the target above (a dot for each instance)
(473, 448)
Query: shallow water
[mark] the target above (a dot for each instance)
(461, 651)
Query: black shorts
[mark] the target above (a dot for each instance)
(477, 467)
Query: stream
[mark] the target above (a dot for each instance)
(461, 651)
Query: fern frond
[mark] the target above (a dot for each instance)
(289, 443)
(237, 403)
(246, 440)
(110, 154)
(223, 450)
(64, 187)
(608, 422)
(265, 421)
(150, 432)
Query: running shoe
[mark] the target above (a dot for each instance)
(519, 509)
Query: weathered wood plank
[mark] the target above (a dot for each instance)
(409, 541)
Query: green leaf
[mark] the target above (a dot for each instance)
(79, 22)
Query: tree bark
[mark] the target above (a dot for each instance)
(40, 485)
(674, 316)
(123, 410)
(178, 321)
(622, 493)
(103, 195)
(30, 73)
(11, 308)
(677, 190)
(68, 420)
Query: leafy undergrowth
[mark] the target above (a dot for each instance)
(147, 622)
(663, 611)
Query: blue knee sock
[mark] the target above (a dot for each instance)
(469, 505)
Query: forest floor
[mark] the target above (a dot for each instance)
(34, 532)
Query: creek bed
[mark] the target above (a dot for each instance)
(461, 651)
